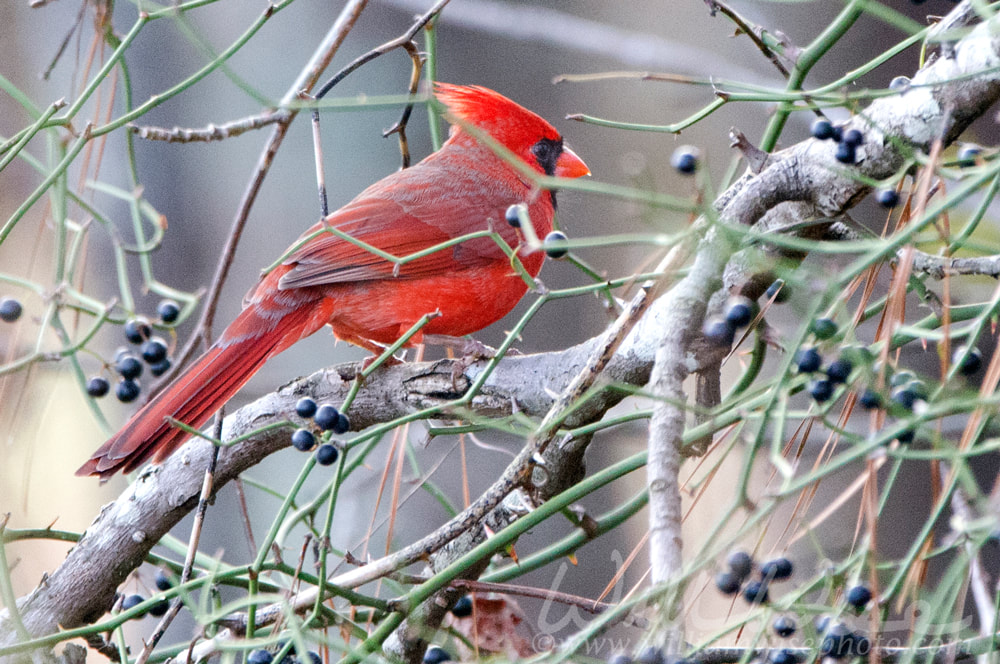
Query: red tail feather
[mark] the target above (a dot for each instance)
(201, 390)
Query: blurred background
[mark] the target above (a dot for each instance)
(517, 48)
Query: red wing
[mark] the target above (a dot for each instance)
(403, 214)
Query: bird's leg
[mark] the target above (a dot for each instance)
(374, 348)
(469, 351)
(464, 346)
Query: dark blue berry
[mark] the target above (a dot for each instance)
(260, 656)
(783, 656)
(824, 328)
(161, 367)
(906, 437)
(463, 607)
(887, 198)
(777, 291)
(314, 657)
(822, 129)
(808, 360)
(740, 311)
(839, 370)
(741, 564)
(129, 367)
(512, 216)
(968, 361)
(326, 417)
(967, 154)
(132, 601)
(719, 332)
(555, 244)
(861, 646)
(840, 643)
(777, 569)
(904, 397)
(620, 658)
(919, 388)
(305, 407)
(98, 386)
(784, 626)
(728, 583)
(326, 454)
(846, 153)
(821, 389)
(436, 655)
(870, 400)
(650, 655)
(154, 350)
(343, 425)
(10, 310)
(163, 581)
(837, 641)
(685, 159)
(853, 137)
(755, 592)
(168, 311)
(137, 330)
(160, 608)
(859, 596)
(303, 440)
(127, 390)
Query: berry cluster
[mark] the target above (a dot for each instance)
(739, 568)
(327, 418)
(721, 330)
(905, 391)
(152, 349)
(848, 141)
(840, 641)
(157, 608)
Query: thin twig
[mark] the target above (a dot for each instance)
(404, 41)
(400, 126)
(207, 489)
(306, 80)
(212, 132)
(938, 267)
(745, 28)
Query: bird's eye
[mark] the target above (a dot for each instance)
(547, 153)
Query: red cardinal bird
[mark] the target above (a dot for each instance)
(367, 300)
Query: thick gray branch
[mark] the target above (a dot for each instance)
(802, 183)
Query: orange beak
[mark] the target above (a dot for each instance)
(570, 166)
